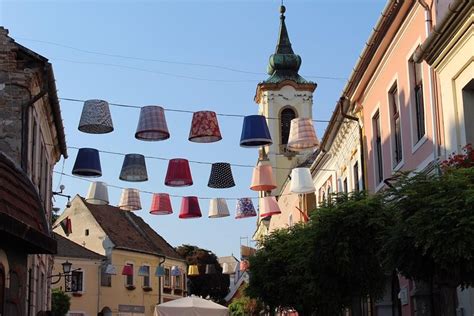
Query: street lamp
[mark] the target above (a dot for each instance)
(67, 270)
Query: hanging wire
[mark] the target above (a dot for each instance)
(177, 110)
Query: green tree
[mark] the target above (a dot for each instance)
(245, 306)
(216, 285)
(433, 238)
(60, 303)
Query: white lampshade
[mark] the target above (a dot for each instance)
(227, 269)
(98, 193)
(218, 208)
(110, 269)
(301, 181)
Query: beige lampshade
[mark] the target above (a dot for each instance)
(301, 181)
(98, 193)
(130, 200)
(302, 135)
(227, 269)
(218, 208)
(193, 270)
(263, 179)
(269, 206)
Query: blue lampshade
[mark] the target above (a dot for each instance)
(160, 271)
(245, 208)
(175, 271)
(144, 271)
(87, 163)
(255, 132)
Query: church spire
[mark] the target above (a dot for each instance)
(283, 45)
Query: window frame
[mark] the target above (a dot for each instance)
(146, 278)
(377, 147)
(167, 278)
(79, 285)
(396, 137)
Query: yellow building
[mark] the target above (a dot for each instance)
(126, 240)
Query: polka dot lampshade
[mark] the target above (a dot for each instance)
(221, 176)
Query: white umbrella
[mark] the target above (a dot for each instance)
(191, 306)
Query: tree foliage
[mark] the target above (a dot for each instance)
(216, 286)
(245, 306)
(60, 303)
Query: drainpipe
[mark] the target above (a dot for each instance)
(431, 81)
(159, 281)
(361, 140)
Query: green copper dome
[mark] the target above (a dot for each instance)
(284, 64)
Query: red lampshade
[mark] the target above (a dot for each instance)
(127, 270)
(178, 174)
(161, 204)
(190, 207)
(204, 128)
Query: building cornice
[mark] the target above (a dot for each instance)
(262, 87)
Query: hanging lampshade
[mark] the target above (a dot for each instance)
(211, 269)
(175, 271)
(160, 271)
(263, 179)
(221, 176)
(110, 270)
(134, 168)
(269, 206)
(190, 207)
(301, 181)
(245, 208)
(161, 204)
(204, 128)
(98, 193)
(144, 271)
(193, 270)
(178, 173)
(130, 200)
(87, 163)
(302, 135)
(95, 117)
(255, 132)
(127, 270)
(244, 265)
(218, 208)
(152, 124)
(227, 269)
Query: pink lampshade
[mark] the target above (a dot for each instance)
(152, 124)
(161, 204)
(269, 206)
(263, 179)
(244, 265)
(204, 128)
(127, 270)
(302, 135)
(130, 200)
(178, 174)
(190, 207)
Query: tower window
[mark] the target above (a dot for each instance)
(285, 120)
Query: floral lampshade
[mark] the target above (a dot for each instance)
(130, 200)
(110, 269)
(160, 271)
(221, 176)
(161, 204)
(152, 124)
(263, 179)
(175, 271)
(269, 206)
(227, 269)
(127, 270)
(96, 118)
(204, 128)
(301, 181)
(87, 163)
(193, 270)
(302, 135)
(134, 168)
(255, 132)
(98, 193)
(178, 173)
(190, 207)
(218, 208)
(144, 271)
(245, 208)
(211, 269)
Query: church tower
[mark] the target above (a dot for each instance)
(281, 97)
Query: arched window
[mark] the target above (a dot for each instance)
(285, 119)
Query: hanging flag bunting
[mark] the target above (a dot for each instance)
(204, 128)
(221, 176)
(134, 168)
(178, 173)
(152, 124)
(66, 225)
(96, 118)
(87, 163)
(130, 200)
(245, 208)
(161, 204)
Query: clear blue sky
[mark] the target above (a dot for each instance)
(328, 35)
